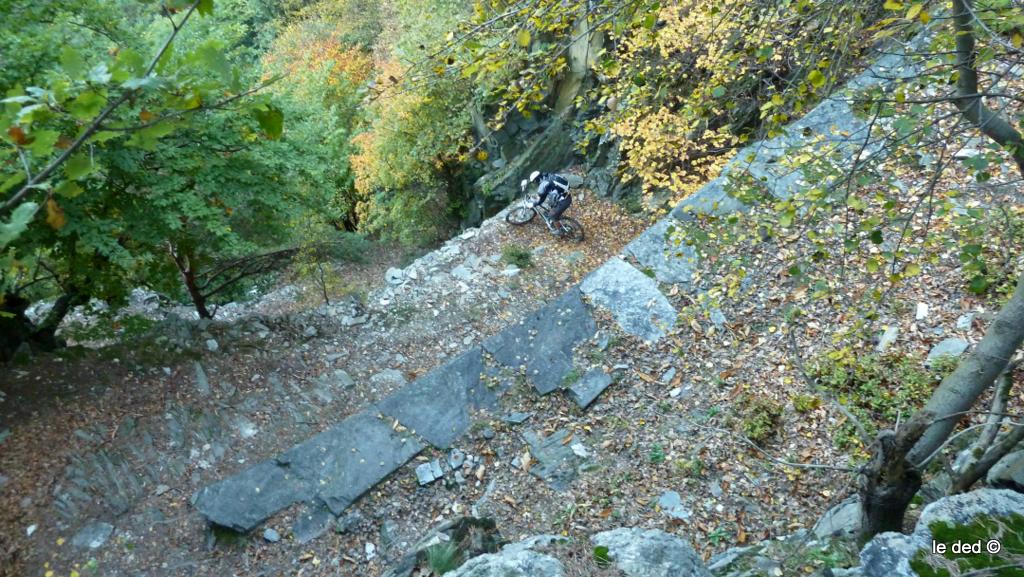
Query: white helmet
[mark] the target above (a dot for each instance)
(534, 176)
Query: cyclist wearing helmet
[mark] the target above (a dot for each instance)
(557, 187)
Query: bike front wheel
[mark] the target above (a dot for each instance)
(572, 229)
(520, 215)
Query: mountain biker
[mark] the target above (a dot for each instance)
(557, 187)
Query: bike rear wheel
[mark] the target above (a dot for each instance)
(572, 229)
(520, 215)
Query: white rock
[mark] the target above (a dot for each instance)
(394, 276)
(965, 322)
(922, 311)
(887, 338)
(371, 551)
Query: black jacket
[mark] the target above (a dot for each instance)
(552, 184)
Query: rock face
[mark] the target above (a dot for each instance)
(655, 249)
(632, 297)
(1008, 473)
(889, 554)
(650, 553)
(544, 341)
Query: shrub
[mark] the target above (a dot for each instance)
(758, 416)
(350, 247)
(806, 403)
(443, 558)
(517, 255)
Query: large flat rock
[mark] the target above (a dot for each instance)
(632, 297)
(543, 342)
(346, 460)
(436, 406)
(657, 250)
(245, 500)
(335, 466)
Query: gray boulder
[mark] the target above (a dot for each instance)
(671, 504)
(512, 563)
(650, 553)
(889, 554)
(556, 461)
(1008, 473)
(633, 299)
(841, 520)
(951, 347)
(394, 276)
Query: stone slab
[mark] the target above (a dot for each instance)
(245, 500)
(655, 249)
(632, 297)
(348, 459)
(543, 342)
(93, 535)
(436, 406)
(592, 384)
(556, 461)
(335, 466)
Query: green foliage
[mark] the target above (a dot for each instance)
(517, 255)
(601, 556)
(989, 241)
(691, 468)
(876, 388)
(1004, 534)
(572, 377)
(656, 454)
(757, 416)
(443, 558)
(139, 153)
(806, 403)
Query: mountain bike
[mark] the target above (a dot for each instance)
(524, 211)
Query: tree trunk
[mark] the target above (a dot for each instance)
(978, 469)
(968, 99)
(974, 375)
(197, 296)
(45, 335)
(15, 327)
(889, 481)
(188, 278)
